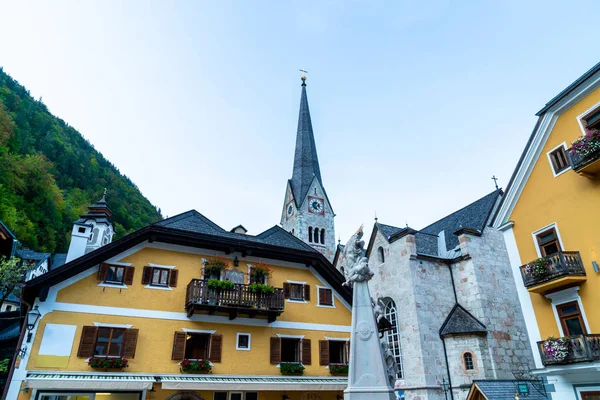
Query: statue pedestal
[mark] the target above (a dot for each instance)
(367, 374)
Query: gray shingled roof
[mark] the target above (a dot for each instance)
(506, 389)
(306, 162)
(12, 298)
(32, 255)
(460, 322)
(193, 221)
(388, 230)
(58, 259)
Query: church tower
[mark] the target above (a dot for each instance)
(307, 213)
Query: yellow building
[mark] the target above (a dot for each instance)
(194, 311)
(550, 217)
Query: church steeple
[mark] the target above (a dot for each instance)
(306, 162)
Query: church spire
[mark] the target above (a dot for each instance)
(306, 163)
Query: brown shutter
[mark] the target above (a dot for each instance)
(130, 343)
(102, 271)
(322, 296)
(87, 343)
(275, 350)
(128, 279)
(286, 290)
(173, 274)
(306, 356)
(146, 275)
(216, 344)
(323, 352)
(329, 297)
(179, 346)
(306, 292)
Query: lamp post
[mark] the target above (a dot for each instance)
(445, 385)
(32, 319)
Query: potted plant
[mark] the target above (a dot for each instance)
(291, 369)
(260, 288)
(258, 273)
(214, 266)
(107, 363)
(196, 366)
(537, 268)
(338, 369)
(558, 349)
(586, 145)
(220, 285)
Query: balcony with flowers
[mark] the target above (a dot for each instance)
(584, 154)
(553, 272)
(570, 349)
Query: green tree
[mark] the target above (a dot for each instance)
(11, 274)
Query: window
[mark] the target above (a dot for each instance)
(548, 242)
(468, 361)
(310, 234)
(81, 229)
(296, 291)
(393, 335)
(109, 342)
(559, 160)
(243, 341)
(592, 120)
(160, 277)
(197, 346)
(338, 352)
(380, 255)
(571, 319)
(251, 396)
(220, 396)
(322, 236)
(325, 297)
(8, 308)
(115, 274)
(290, 350)
(316, 240)
(235, 396)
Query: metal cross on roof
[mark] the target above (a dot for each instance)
(495, 181)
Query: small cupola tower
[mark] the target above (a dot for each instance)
(92, 230)
(307, 213)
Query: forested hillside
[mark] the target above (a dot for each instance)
(49, 174)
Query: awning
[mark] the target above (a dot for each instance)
(76, 381)
(254, 383)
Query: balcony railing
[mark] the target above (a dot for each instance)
(589, 164)
(239, 299)
(580, 348)
(561, 264)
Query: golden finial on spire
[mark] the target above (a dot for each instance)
(303, 77)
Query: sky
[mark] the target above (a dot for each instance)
(415, 104)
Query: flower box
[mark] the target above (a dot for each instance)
(215, 266)
(291, 369)
(338, 369)
(107, 363)
(217, 284)
(587, 145)
(557, 350)
(537, 268)
(196, 366)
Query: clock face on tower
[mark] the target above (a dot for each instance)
(315, 205)
(289, 210)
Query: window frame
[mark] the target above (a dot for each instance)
(112, 328)
(391, 309)
(564, 317)
(161, 269)
(535, 235)
(298, 285)
(237, 341)
(472, 360)
(245, 393)
(345, 350)
(319, 304)
(582, 118)
(553, 165)
(122, 282)
(207, 350)
(381, 255)
(298, 341)
(310, 234)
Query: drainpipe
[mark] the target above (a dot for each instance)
(442, 338)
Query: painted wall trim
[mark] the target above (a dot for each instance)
(564, 146)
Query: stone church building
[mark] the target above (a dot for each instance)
(449, 293)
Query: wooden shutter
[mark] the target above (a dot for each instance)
(275, 350)
(87, 343)
(323, 352)
(306, 356)
(179, 346)
(128, 279)
(173, 274)
(306, 292)
(130, 343)
(329, 297)
(216, 344)
(286, 290)
(102, 271)
(146, 275)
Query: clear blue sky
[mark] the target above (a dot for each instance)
(415, 104)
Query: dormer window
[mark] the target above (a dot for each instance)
(591, 121)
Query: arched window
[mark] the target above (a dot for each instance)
(468, 363)
(316, 235)
(393, 335)
(322, 236)
(380, 255)
(310, 234)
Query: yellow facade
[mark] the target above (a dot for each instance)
(571, 201)
(129, 306)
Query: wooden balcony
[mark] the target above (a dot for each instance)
(588, 166)
(565, 269)
(582, 348)
(239, 300)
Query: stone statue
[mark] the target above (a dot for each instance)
(357, 265)
(377, 309)
(390, 363)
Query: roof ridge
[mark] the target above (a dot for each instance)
(192, 212)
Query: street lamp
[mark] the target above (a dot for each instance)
(445, 385)
(32, 318)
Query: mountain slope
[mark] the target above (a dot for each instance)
(49, 174)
